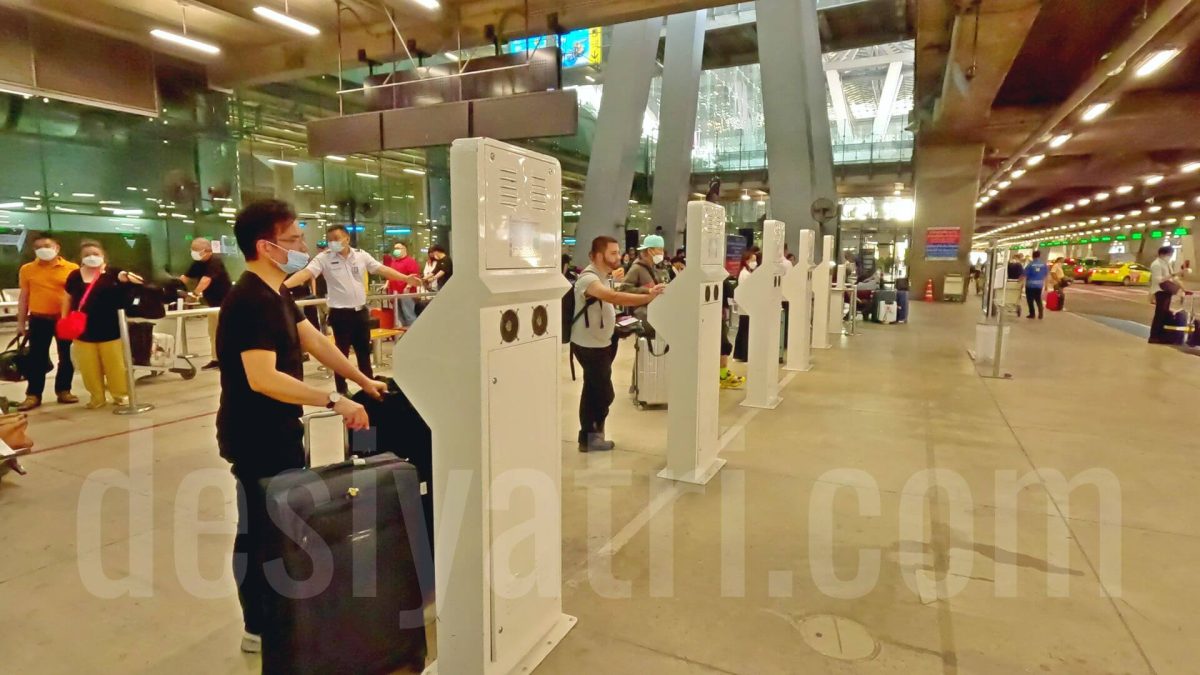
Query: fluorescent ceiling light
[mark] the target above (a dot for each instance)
(365, 175)
(335, 158)
(1191, 167)
(1034, 160)
(1018, 173)
(1152, 180)
(1153, 63)
(451, 55)
(185, 41)
(429, 4)
(1095, 110)
(12, 205)
(1056, 211)
(286, 21)
(1084, 202)
(745, 197)
(1068, 207)
(1002, 185)
(1178, 204)
(82, 194)
(1101, 196)
(589, 78)
(993, 193)
(1059, 140)
(415, 172)
(281, 162)
(1124, 189)
(1154, 209)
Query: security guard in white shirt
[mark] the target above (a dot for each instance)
(343, 268)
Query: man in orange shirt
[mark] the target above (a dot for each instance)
(43, 288)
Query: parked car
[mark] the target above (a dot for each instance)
(1079, 269)
(1126, 274)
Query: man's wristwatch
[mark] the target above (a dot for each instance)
(334, 397)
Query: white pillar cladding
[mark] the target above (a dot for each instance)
(615, 146)
(799, 148)
(680, 92)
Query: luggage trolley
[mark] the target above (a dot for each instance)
(159, 352)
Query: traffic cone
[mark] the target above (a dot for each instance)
(929, 290)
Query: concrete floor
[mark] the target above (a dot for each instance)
(754, 573)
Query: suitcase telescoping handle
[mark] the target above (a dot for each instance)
(308, 420)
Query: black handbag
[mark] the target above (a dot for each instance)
(16, 363)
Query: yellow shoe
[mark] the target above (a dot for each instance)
(95, 404)
(732, 382)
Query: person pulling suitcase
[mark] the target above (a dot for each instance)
(261, 338)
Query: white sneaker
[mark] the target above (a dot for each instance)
(251, 643)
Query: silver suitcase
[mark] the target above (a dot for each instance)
(650, 373)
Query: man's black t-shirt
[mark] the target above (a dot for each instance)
(106, 298)
(213, 268)
(259, 435)
(1015, 270)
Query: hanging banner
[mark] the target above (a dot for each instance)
(942, 243)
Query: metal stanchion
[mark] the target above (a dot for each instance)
(133, 407)
(181, 331)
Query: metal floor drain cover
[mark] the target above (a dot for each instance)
(838, 637)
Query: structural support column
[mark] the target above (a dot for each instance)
(677, 131)
(946, 185)
(809, 45)
(618, 133)
(799, 149)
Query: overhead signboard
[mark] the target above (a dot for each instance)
(579, 47)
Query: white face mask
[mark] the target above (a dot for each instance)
(47, 253)
(399, 254)
(92, 260)
(752, 265)
(658, 259)
(336, 246)
(197, 256)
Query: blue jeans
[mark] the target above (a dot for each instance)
(406, 312)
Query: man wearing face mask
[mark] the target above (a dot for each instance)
(645, 273)
(402, 262)
(43, 287)
(343, 267)
(261, 338)
(212, 283)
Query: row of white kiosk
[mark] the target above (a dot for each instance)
(482, 366)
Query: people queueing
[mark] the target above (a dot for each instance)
(594, 340)
(402, 262)
(1035, 274)
(43, 285)
(260, 339)
(212, 283)
(344, 269)
(741, 344)
(99, 291)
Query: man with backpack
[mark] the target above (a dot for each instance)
(593, 336)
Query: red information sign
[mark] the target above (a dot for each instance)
(942, 243)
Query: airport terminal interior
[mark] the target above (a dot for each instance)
(789, 336)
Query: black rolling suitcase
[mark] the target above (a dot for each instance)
(349, 572)
(398, 428)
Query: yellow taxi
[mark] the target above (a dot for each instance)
(1126, 274)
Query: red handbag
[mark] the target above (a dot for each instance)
(71, 326)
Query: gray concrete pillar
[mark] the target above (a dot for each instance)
(946, 185)
(618, 133)
(818, 112)
(677, 125)
(799, 149)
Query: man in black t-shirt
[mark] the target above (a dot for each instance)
(212, 282)
(260, 341)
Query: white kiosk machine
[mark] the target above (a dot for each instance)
(822, 292)
(761, 295)
(688, 315)
(482, 368)
(797, 289)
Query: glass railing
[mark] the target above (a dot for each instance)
(740, 151)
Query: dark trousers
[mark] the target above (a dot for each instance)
(1033, 297)
(741, 342)
(249, 554)
(1162, 316)
(352, 329)
(41, 334)
(598, 392)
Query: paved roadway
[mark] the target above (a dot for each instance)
(1114, 302)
